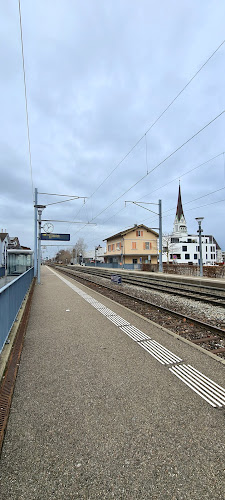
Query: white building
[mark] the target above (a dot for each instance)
(4, 242)
(183, 248)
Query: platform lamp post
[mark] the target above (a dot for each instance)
(40, 209)
(199, 220)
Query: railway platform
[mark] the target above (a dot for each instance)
(109, 405)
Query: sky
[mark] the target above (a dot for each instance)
(98, 76)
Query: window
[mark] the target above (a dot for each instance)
(139, 233)
(134, 245)
(197, 248)
(171, 256)
(118, 246)
(134, 261)
(187, 256)
(189, 240)
(184, 248)
(195, 256)
(109, 248)
(174, 240)
(206, 249)
(113, 247)
(146, 245)
(206, 256)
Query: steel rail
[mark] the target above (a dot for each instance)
(176, 288)
(208, 326)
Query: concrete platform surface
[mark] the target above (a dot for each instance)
(95, 416)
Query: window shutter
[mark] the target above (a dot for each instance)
(136, 233)
(141, 233)
(143, 246)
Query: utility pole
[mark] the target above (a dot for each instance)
(40, 208)
(199, 220)
(160, 237)
(35, 230)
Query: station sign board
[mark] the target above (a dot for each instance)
(55, 237)
(115, 278)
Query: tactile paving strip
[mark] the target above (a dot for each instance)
(159, 352)
(195, 380)
(134, 333)
(202, 385)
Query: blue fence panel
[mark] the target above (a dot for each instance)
(2, 272)
(11, 298)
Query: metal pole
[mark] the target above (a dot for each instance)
(95, 254)
(200, 248)
(39, 246)
(35, 231)
(160, 237)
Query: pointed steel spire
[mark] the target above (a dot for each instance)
(179, 211)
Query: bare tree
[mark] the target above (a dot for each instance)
(63, 256)
(79, 248)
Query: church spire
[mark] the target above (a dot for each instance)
(179, 227)
(179, 211)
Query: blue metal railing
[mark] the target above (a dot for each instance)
(11, 298)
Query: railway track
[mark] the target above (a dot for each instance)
(213, 296)
(206, 335)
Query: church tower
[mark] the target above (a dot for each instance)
(179, 226)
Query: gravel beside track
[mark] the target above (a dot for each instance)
(207, 313)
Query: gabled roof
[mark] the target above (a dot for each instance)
(3, 236)
(129, 230)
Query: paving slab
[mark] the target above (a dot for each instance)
(95, 416)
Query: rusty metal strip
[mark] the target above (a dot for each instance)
(8, 383)
(205, 339)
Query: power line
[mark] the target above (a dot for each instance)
(158, 165)
(160, 187)
(160, 116)
(25, 91)
(185, 173)
(154, 123)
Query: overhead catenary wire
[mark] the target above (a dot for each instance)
(157, 166)
(156, 121)
(174, 208)
(26, 105)
(185, 173)
(173, 180)
(160, 116)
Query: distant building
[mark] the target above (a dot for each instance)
(4, 242)
(14, 242)
(89, 255)
(183, 248)
(136, 245)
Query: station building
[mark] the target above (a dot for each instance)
(133, 246)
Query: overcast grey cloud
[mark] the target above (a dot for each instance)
(98, 74)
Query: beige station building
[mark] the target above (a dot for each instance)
(134, 246)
